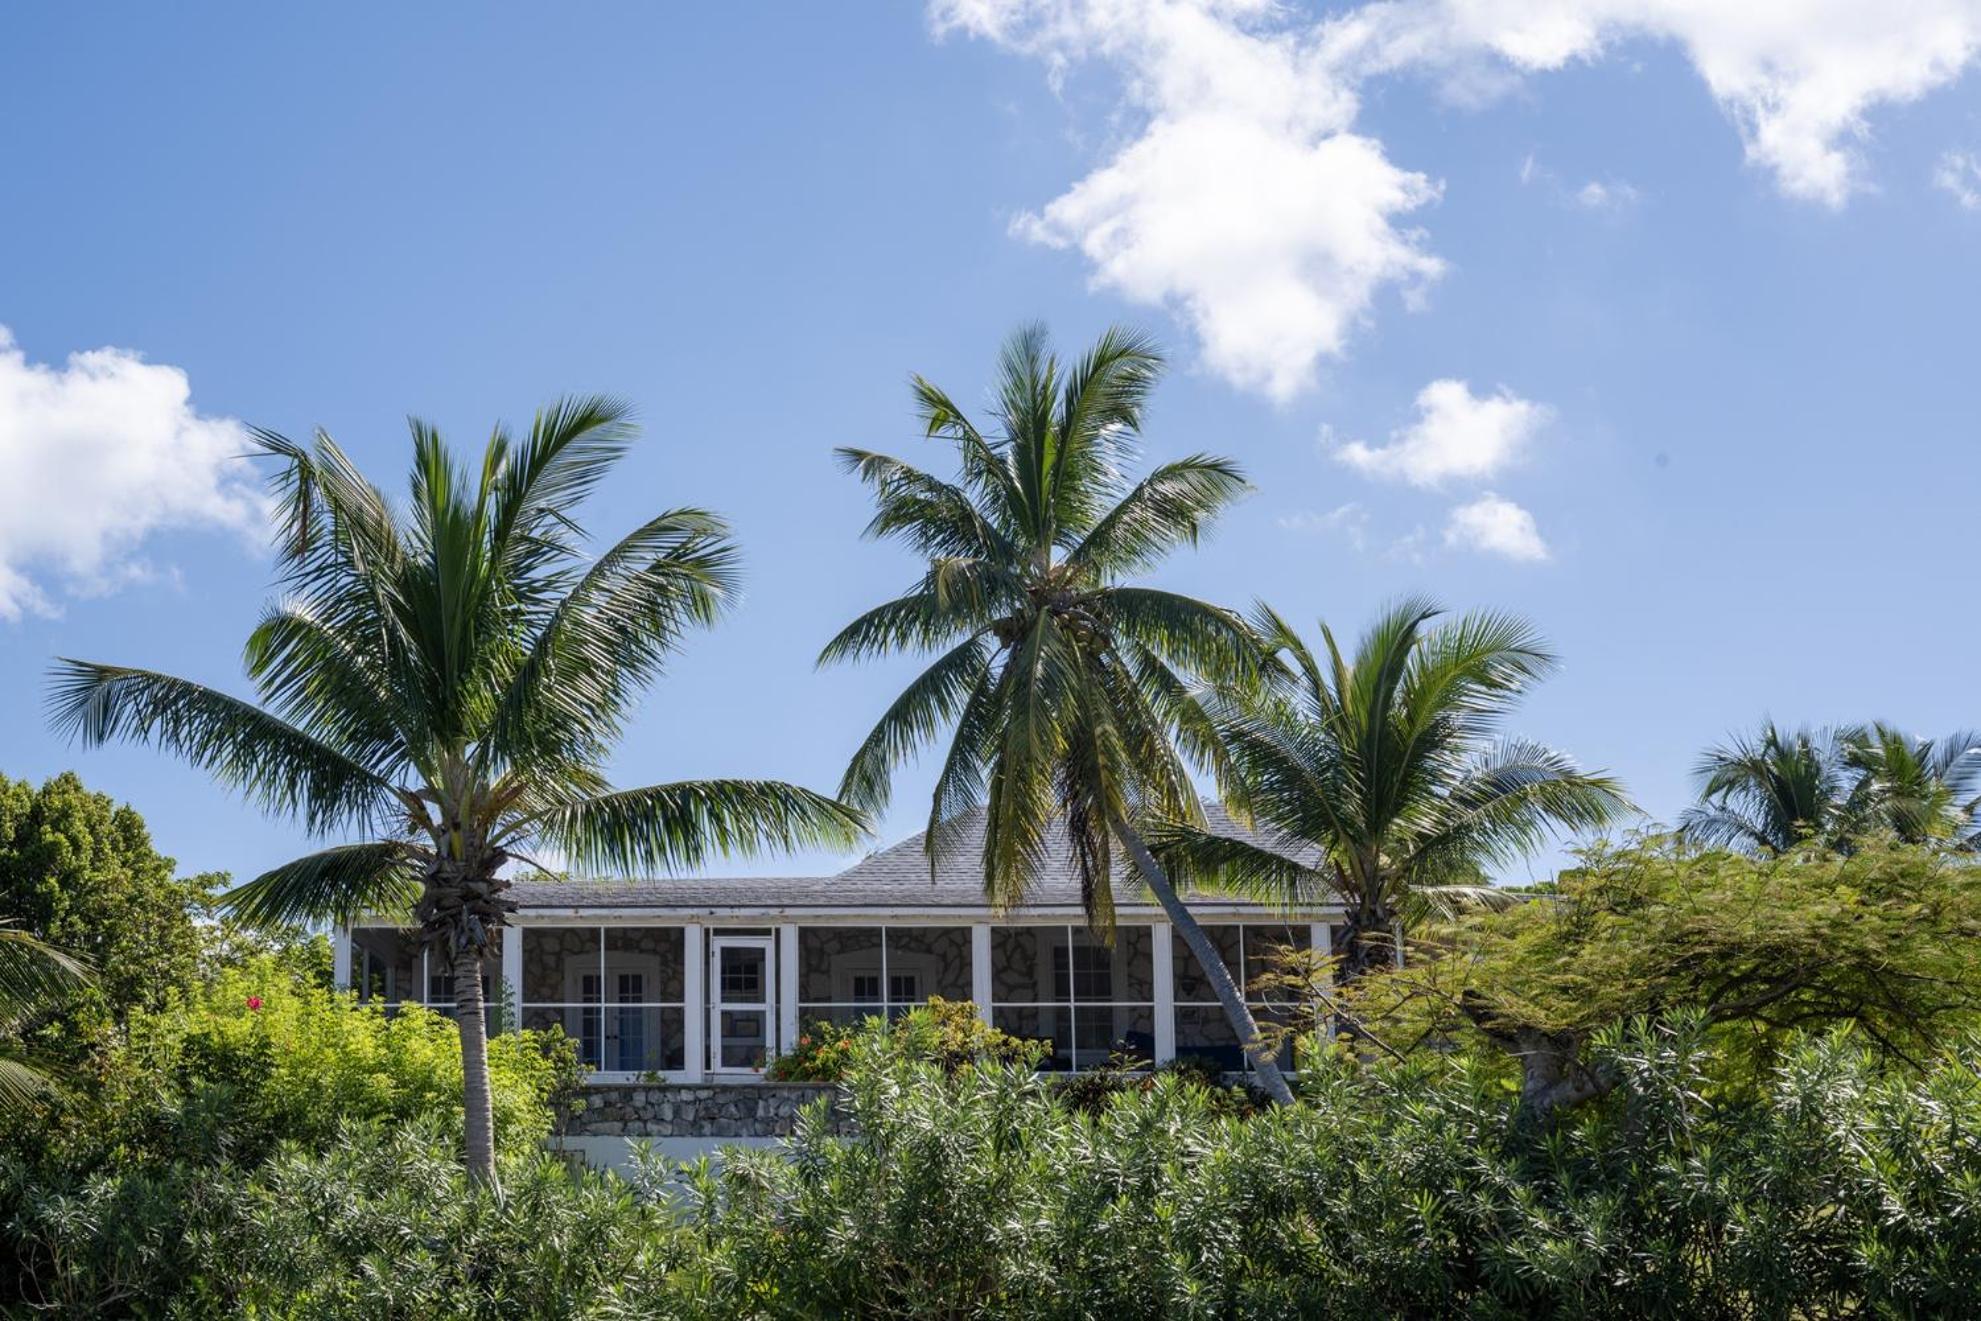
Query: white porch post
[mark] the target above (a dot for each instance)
(980, 969)
(787, 987)
(512, 976)
(1321, 937)
(695, 1020)
(1164, 951)
(340, 957)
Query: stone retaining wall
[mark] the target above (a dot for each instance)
(706, 1110)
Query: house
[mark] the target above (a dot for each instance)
(697, 983)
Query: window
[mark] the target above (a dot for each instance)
(1203, 1029)
(1088, 1000)
(619, 991)
(847, 974)
(390, 968)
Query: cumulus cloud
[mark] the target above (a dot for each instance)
(1798, 78)
(1242, 201)
(1456, 434)
(1959, 176)
(1241, 196)
(1496, 526)
(1348, 521)
(98, 454)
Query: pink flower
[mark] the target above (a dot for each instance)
(254, 1002)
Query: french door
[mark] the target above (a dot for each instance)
(740, 1007)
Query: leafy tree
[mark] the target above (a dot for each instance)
(1063, 687)
(34, 978)
(448, 679)
(1882, 939)
(1777, 789)
(78, 871)
(1381, 777)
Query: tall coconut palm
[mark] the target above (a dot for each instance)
(1777, 789)
(1920, 790)
(1382, 779)
(1773, 790)
(34, 979)
(447, 680)
(1061, 687)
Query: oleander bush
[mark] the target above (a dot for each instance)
(1839, 1187)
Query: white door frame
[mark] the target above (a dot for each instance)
(765, 1006)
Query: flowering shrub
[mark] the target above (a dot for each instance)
(945, 1032)
(820, 1054)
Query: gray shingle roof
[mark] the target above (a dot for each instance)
(896, 877)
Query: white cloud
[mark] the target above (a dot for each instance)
(98, 454)
(1242, 201)
(1349, 521)
(1959, 175)
(1612, 196)
(1457, 434)
(1242, 197)
(1797, 77)
(1496, 526)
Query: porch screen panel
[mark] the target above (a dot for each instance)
(1247, 950)
(849, 974)
(1087, 1000)
(389, 968)
(618, 991)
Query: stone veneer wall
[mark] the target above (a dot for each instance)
(693, 1110)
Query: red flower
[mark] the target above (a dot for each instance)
(254, 1002)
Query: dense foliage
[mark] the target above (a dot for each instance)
(78, 871)
(101, 1185)
(1392, 1190)
(1883, 938)
(946, 1032)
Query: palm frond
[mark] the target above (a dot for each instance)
(336, 884)
(665, 827)
(1168, 509)
(276, 765)
(915, 719)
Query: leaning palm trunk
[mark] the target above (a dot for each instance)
(1228, 993)
(478, 1124)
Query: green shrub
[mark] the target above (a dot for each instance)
(949, 1033)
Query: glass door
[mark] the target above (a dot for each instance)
(739, 1006)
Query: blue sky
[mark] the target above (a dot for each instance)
(1700, 301)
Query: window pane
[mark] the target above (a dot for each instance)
(581, 1025)
(742, 974)
(1192, 987)
(1124, 1033)
(554, 958)
(1052, 1026)
(385, 965)
(936, 960)
(1263, 944)
(830, 958)
(1085, 969)
(744, 1038)
(844, 1015)
(650, 954)
(1021, 963)
(1286, 1021)
(1205, 1033)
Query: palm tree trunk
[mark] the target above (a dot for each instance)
(1200, 945)
(477, 1102)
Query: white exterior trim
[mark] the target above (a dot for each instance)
(512, 977)
(980, 969)
(1162, 948)
(787, 987)
(694, 972)
(340, 958)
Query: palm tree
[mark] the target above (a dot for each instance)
(1770, 791)
(1381, 778)
(1779, 789)
(34, 978)
(448, 680)
(1920, 790)
(1063, 688)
